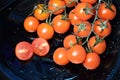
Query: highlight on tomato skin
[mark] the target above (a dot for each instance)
(23, 50)
(92, 61)
(31, 24)
(60, 56)
(40, 46)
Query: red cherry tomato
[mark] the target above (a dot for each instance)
(60, 56)
(41, 46)
(31, 24)
(55, 6)
(83, 11)
(92, 61)
(24, 50)
(61, 24)
(107, 12)
(76, 54)
(45, 31)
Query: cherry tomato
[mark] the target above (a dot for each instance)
(76, 54)
(41, 46)
(97, 45)
(70, 3)
(102, 28)
(83, 11)
(61, 24)
(92, 61)
(56, 6)
(89, 1)
(45, 31)
(73, 18)
(107, 12)
(41, 13)
(82, 29)
(23, 50)
(69, 41)
(31, 24)
(60, 56)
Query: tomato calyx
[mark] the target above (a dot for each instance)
(108, 5)
(81, 27)
(64, 17)
(103, 25)
(88, 10)
(98, 40)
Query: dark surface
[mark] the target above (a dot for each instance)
(43, 68)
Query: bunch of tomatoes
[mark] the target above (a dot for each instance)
(89, 21)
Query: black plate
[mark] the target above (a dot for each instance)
(12, 15)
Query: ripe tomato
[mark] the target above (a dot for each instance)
(73, 18)
(106, 12)
(23, 50)
(89, 1)
(102, 28)
(41, 46)
(76, 54)
(83, 11)
(31, 24)
(97, 45)
(45, 31)
(60, 56)
(61, 24)
(82, 29)
(70, 3)
(41, 13)
(92, 61)
(69, 41)
(56, 6)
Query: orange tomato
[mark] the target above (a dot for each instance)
(56, 6)
(60, 56)
(83, 11)
(23, 50)
(82, 29)
(40, 46)
(89, 1)
(41, 13)
(73, 18)
(76, 54)
(70, 3)
(96, 45)
(45, 31)
(107, 12)
(102, 28)
(69, 41)
(92, 61)
(31, 24)
(61, 24)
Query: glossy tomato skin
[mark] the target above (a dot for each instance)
(102, 31)
(106, 13)
(70, 3)
(23, 50)
(45, 31)
(60, 25)
(73, 18)
(31, 24)
(82, 29)
(60, 56)
(81, 13)
(55, 6)
(76, 54)
(89, 1)
(92, 61)
(41, 14)
(99, 48)
(40, 46)
(69, 41)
